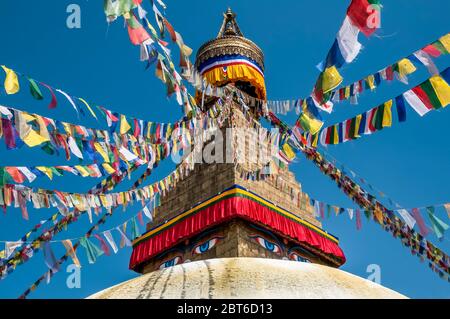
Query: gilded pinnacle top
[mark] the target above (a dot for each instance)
(232, 58)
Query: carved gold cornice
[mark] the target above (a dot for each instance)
(227, 45)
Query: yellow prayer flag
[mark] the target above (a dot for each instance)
(82, 170)
(358, 124)
(89, 108)
(336, 134)
(124, 126)
(102, 152)
(347, 92)
(387, 114)
(288, 151)
(315, 140)
(47, 171)
(11, 81)
(330, 79)
(43, 132)
(441, 88)
(310, 123)
(108, 168)
(33, 139)
(371, 81)
(378, 215)
(405, 67)
(445, 40)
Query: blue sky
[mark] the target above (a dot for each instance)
(409, 162)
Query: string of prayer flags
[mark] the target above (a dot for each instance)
(374, 209)
(362, 16)
(165, 68)
(9, 265)
(396, 71)
(432, 94)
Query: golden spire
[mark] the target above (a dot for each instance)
(229, 25)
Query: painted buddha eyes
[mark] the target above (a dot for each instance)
(267, 244)
(205, 246)
(297, 257)
(171, 262)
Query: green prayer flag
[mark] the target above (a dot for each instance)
(35, 90)
(439, 46)
(439, 227)
(431, 94)
(55, 171)
(134, 229)
(378, 118)
(92, 251)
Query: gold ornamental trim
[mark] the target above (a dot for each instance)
(228, 45)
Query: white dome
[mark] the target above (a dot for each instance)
(247, 278)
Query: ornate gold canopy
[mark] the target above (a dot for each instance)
(231, 57)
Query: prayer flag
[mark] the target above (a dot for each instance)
(11, 81)
(437, 224)
(71, 252)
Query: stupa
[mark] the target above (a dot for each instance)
(218, 234)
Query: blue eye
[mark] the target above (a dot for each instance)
(171, 262)
(297, 257)
(207, 245)
(270, 246)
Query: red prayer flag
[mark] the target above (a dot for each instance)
(364, 16)
(53, 102)
(15, 174)
(423, 229)
(431, 50)
(423, 97)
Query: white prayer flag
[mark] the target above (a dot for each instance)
(347, 39)
(110, 240)
(416, 103)
(409, 220)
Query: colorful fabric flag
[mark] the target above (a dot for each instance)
(358, 219)
(110, 240)
(103, 245)
(364, 14)
(11, 81)
(49, 257)
(124, 125)
(447, 208)
(136, 31)
(71, 252)
(10, 247)
(92, 251)
(439, 227)
(401, 110)
(441, 88)
(124, 241)
(426, 60)
(134, 229)
(407, 218)
(309, 123)
(347, 40)
(419, 103)
(423, 229)
(34, 90)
